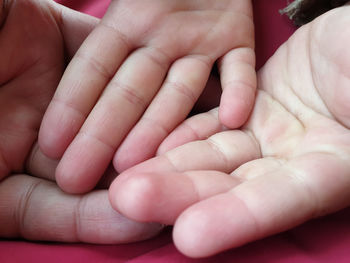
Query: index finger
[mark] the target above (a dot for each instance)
(90, 70)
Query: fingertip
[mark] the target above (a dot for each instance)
(190, 235)
(179, 136)
(83, 164)
(71, 183)
(141, 144)
(214, 225)
(124, 157)
(233, 116)
(133, 196)
(122, 161)
(236, 106)
(152, 197)
(48, 141)
(137, 147)
(57, 130)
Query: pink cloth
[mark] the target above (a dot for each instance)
(92, 7)
(322, 240)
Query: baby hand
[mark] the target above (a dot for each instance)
(138, 75)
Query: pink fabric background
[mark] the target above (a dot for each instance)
(322, 240)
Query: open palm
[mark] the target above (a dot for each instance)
(35, 39)
(288, 164)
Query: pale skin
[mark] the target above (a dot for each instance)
(33, 56)
(288, 164)
(137, 76)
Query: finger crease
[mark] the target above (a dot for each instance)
(70, 105)
(168, 159)
(257, 228)
(193, 131)
(254, 141)
(239, 83)
(96, 65)
(207, 61)
(130, 94)
(214, 146)
(158, 124)
(158, 57)
(77, 219)
(184, 90)
(242, 54)
(118, 35)
(195, 188)
(100, 140)
(23, 207)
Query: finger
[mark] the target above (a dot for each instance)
(267, 203)
(35, 209)
(39, 165)
(234, 218)
(118, 109)
(88, 73)
(238, 80)
(198, 127)
(185, 81)
(221, 152)
(159, 197)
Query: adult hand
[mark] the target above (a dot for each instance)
(35, 39)
(288, 164)
(144, 66)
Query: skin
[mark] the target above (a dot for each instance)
(137, 76)
(288, 164)
(33, 56)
